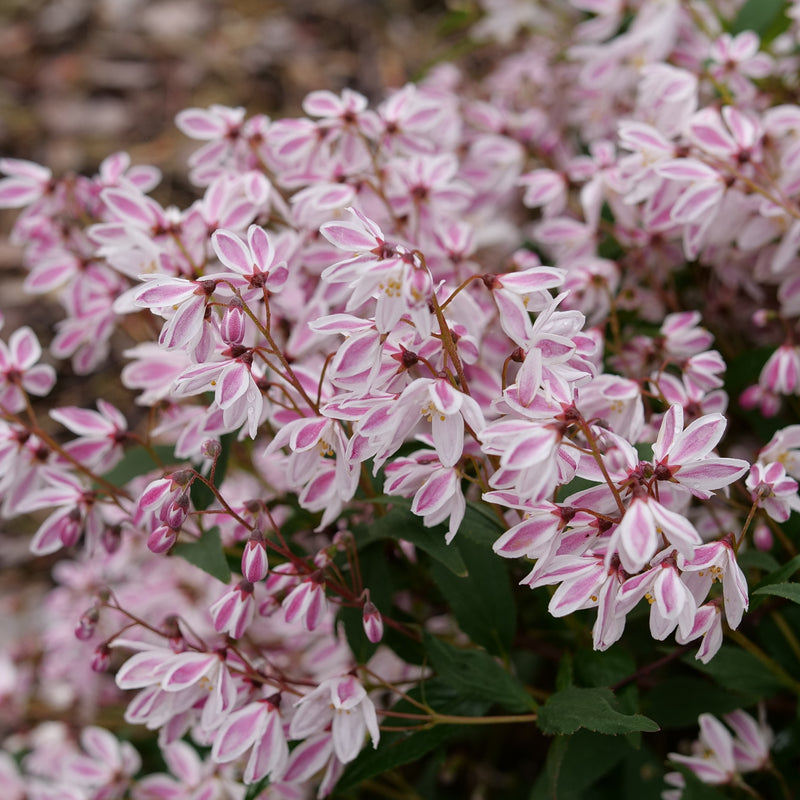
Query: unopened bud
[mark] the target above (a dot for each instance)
(254, 558)
(101, 659)
(70, 530)
(762, 537)
(174, 515)
(232, 326)
(342, 539)
(268, 606)
(161, 539)
(87, 624)
(211, 448)
(373, 622)
(111, 538)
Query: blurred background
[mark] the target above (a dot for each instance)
(82, 78)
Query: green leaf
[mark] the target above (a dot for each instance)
(603, 667)
(138, 461)
(575, 763)
(758, 16)
(474, 673)
(402, 747)
(594, 709)
(482, 601)
(206, 553)
(400, 523)
(480, 524)
(376, 575)
(789, 591)
(780, 575)
(678, 702)
(739, 671)
(756, 559)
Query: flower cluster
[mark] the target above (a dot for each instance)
(350, 337)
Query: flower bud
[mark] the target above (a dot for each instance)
(161, 539)
(70, 530)
(174, 515)
(101, 659)
(762, 537)
(111, 538)
(87, 624)
(254, 558)
(268, 606)
(211, 448)
(373, 622)
(232, 326)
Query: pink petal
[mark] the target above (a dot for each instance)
(239, 732)
(232, 252)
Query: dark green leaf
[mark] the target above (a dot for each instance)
(603, 667)
(739, 671)
(758, 16)
(789, 591)
(575, 763)
(695, 695)
(376, 575)
(594, 709)
(480, 524)
(780, 575)
(474, 673)
(138, 461)
(482, 601)
(756, 559)
(400, 523)
(206, 553)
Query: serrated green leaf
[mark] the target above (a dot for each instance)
(789, 591)
(482, 601)
(207, 554)
(402, 747)
(400, 523)
(594, 709)
(474, 673)
(139, 461)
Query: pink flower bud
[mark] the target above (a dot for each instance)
(211, 448)
(233, 612)
(762, 537)
(101, 659)
(232, 326)
(268, 606)
(87, 624)
(161, 539)
(174, 514)
(254, 558)
(111, 538)
(70, 530)
(373, 622)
